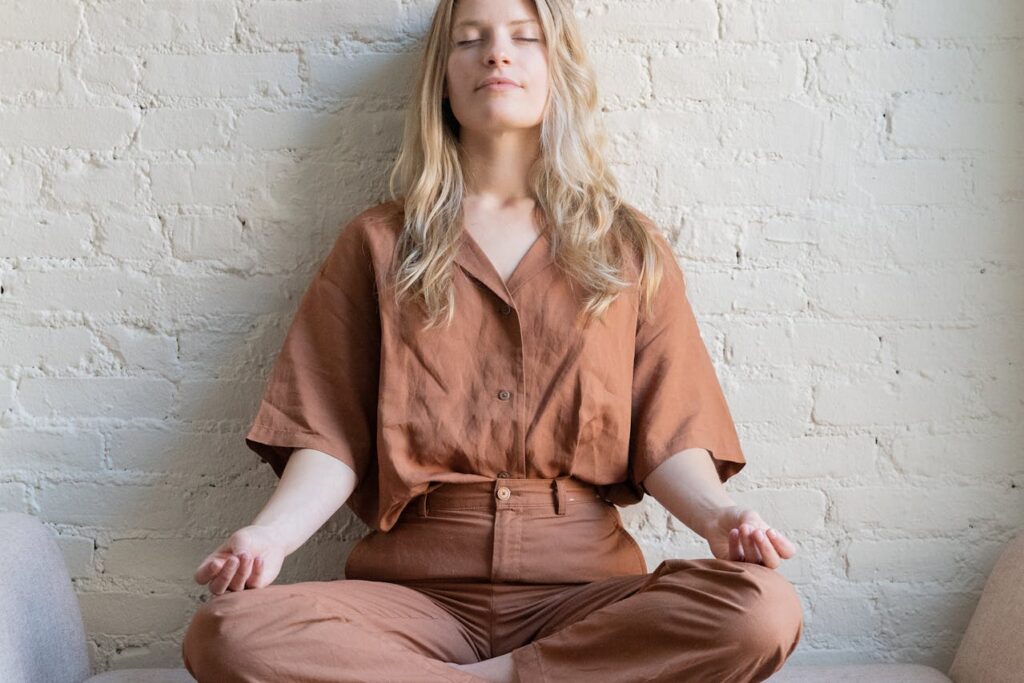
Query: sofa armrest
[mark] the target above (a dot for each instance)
(42, 637)
(992, 649)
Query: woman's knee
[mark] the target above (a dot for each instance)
(771, 621)
(758, 609)
(213, 648)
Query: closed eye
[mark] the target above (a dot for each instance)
(528, 40)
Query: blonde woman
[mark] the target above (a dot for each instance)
(483, 369)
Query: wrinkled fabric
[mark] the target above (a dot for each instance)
(513, 387)
(541, 569)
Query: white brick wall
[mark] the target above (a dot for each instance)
(843, 179)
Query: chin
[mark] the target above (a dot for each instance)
(502, 126)
(508, 120)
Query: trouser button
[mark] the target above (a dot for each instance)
(503, 474)
(504, 492)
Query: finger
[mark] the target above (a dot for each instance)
(219, 583)
(257, 572)
(768, 554)
(755, 549)
(244, 568)
(223, 578)
(750, 550)
(210, 567)
(735, 548)
(785, 547)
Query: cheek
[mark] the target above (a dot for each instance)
(538, 70)
(454, 73)
(539, 81)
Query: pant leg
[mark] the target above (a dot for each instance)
(325, 631)
(702, 621)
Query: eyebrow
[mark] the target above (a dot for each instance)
(472, 22)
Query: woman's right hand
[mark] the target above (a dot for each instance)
(250, 558)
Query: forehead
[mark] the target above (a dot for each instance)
(480, 13)
(468, 23)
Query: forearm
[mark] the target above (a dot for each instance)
(313, 486)
(687, 485)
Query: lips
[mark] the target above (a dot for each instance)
(496, 79)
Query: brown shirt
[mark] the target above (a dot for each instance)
(512, 388)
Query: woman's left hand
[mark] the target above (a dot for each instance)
(738, 533)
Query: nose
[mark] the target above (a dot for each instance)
(497, 52)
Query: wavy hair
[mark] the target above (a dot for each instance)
(577, 198)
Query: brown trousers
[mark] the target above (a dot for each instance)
(540, 568)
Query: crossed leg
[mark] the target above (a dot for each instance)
(326, 632)
(705, 620)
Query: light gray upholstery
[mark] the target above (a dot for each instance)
(143, 676)
(859, 673)
(42, 637)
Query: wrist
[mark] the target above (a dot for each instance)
(281, 535)
(712, 521)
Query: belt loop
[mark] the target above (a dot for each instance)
(560, 496)
(423, 504)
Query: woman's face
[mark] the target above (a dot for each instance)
(497, 38)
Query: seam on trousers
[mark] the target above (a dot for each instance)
(533, 671)
(519, 549)
(636, 547)
(490, 633)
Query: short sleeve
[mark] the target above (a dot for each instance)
(323, 387)
(677, 401)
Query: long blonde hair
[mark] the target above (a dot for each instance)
(584, 218)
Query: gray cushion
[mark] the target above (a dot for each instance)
(839, 673)
(42, 637)
(143, 676)
(858, 673)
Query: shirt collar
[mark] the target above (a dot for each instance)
(474, 261)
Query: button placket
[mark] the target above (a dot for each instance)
(520, 407)
(507, 539)
(505, 394)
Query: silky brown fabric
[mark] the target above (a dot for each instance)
(514, 386)
(498, 567)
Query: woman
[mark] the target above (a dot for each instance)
(482, 370)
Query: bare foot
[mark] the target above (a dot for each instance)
(497, 669)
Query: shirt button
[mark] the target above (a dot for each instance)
(504, 394)
(504, 493)
(505, 309)
(503, 474)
